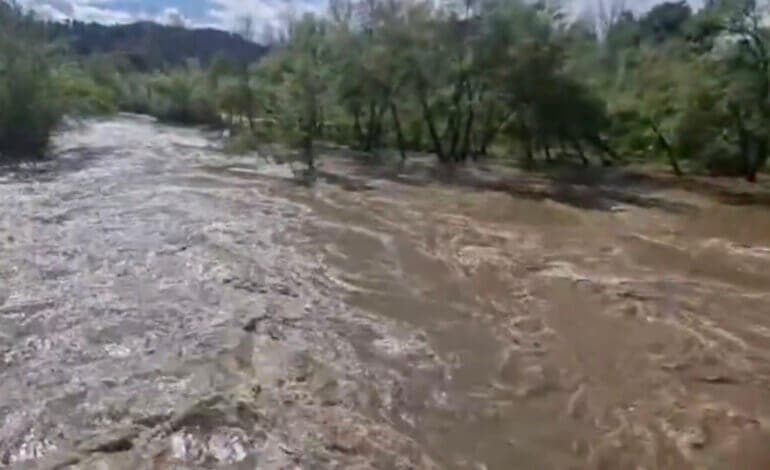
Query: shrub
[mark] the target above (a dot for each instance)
(183, 97)
(30, 106)
(243, 142)
(83, 95)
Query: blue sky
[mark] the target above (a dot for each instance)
(216, 13)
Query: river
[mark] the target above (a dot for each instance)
(163, 305)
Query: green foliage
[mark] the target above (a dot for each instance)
(691, 88)
(665, 21)
(30, 105)
(694, 89)
(82, 94)
(243, 142)
(182, 97)
(135, 94)
(296, 104)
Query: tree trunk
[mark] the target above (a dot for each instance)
(455, 121)
(492, 132)
(663, 142)
(377, 137)
(321, 122)
(399, 133)
(486, 129)
(307, 147)
(428, 116)
(530, 160)
(756, 157)
(580, 152)
(250, 118)
(455, 140)
(527, 138)
(466, 145)
(370, 127)
(743, 139)
(359, 133)
(605, 150)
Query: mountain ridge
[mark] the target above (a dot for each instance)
(151, 45)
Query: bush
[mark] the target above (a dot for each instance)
(83, 95)
(702, 136)
(183, 97)
(30, 104)
(243, 142)
(134, 94)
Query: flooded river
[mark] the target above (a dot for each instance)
(163, 305)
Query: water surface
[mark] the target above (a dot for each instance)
(165, 306)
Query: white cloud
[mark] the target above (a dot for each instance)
(97, 11)
(223, 14)
(62, 6)
(228, 13)
(173, 17)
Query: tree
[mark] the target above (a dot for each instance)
(300, 73)
(749, 91)
(665, 21)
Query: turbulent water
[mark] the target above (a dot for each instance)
(165, 306)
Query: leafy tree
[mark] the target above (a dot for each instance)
(665, 21)
(300, 75)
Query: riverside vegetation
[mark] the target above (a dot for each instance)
(505, 79)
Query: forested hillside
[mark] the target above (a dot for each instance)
(152, 46)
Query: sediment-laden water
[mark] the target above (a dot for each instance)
(163, 305)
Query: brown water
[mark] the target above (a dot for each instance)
(165, 306)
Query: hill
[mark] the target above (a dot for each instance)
(151, 45)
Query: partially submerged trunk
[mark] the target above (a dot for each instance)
(399, 132)
(756, 157)
(428, 117)
(309, 151)
(563, 147)
(526, 137)
(663, 142)
(454, 124)
(753, 147)
(579, 149)
(454, 141)
(359, 133)
(486, 131)
(490, 132)
(466, 144)
(370, 128)
(607, 155)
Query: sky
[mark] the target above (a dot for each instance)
(222, 14)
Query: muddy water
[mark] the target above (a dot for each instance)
(165, 306)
